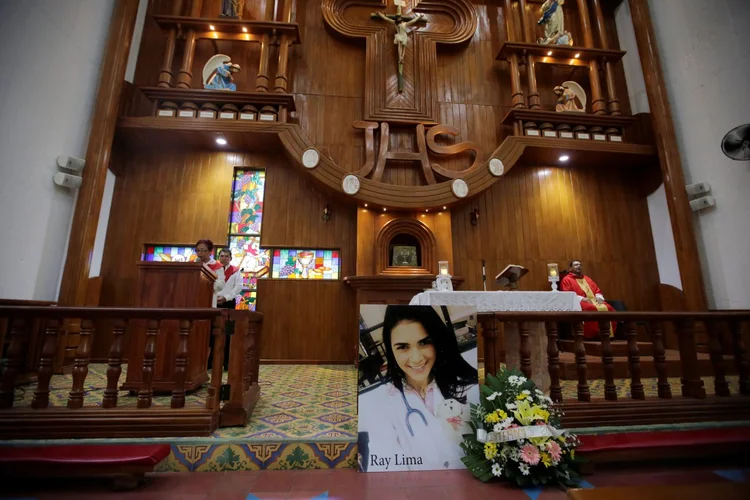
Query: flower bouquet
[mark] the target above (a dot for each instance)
(516, 435)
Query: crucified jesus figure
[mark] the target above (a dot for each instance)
(401, 38)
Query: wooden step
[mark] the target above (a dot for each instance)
(619, 348)
(595, 371)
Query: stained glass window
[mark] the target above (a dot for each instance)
(305, 264)
(249, 257)
(169, 253)
(247, 202)
(246, 300)
(245, 222)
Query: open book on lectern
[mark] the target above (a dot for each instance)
(510, 275)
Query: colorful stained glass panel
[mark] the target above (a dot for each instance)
(247, 300)
(169, 253)
(247, 202)
(305, 264)
(247, 255)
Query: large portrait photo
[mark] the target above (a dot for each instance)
(417, 377)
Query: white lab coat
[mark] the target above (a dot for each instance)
(382, 414)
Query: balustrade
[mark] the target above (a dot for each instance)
(694, 405)
(78, 419)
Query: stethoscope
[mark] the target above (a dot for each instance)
(409, 412)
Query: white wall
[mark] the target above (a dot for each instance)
(51, 51)
(706, 63)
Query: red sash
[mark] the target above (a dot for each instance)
(229, 271)
(215, 266)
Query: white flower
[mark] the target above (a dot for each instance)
(524, 469)
(511, 406)
(539, 392)
(492, 396)
(498, 427)
(520, 380)
(497, 471)
(506, 423)
(526, 391)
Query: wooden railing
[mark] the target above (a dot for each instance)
(108, 418)
(665, 407)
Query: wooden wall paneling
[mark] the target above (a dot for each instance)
(536, 215)
(174, 196)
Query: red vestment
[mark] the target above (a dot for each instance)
(586, 287)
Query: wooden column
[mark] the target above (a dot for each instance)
(516, 98)
(534, 101)
(583, 14)
(613, 103)
(261, 81)
(598, 104)
(601, 30)
(526, 34)
(185, 77)
(86, 216)
(680, 214)
(510, 28)
(270, 14)
(282, 78)
(165, 76)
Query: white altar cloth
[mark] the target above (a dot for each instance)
(500, 301)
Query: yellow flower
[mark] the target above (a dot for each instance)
(546, 460)
(492, 418)
(490, 450)
(572, 454)
(543, 414)
(524, 413)
(501, 414)
(521, 397)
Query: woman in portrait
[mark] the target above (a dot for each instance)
(415, 421)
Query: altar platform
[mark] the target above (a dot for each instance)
(306, 419)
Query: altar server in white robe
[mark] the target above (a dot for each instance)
(229, 279)
(416, 420)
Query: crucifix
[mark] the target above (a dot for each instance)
(401, 89)
(401, 37)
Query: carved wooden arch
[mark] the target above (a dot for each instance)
(412, 227)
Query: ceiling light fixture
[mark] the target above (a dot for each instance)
(221, 141)
(211, 27)
(549, 53)
(577, 55)
(244, 29)
(564, 158)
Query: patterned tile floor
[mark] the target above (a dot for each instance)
(347, 484)
(306, 419)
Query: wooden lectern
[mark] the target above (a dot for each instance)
(167, 285)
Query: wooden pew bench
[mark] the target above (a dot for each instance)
(127, 464)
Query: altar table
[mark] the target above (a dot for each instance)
(506, 339)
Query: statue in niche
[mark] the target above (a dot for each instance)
(217, 73)
(554, 24)
(232, 8)
(401, 37)
(567, 93)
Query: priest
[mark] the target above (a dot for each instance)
(589, 294)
